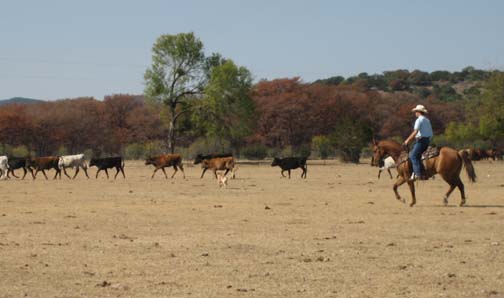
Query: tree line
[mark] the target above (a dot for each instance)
(195, 103)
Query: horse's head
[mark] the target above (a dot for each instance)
(378, 154)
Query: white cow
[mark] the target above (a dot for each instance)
(386, 164)
(4, 167)
(73, 161)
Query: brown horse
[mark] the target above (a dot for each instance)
(447, 164)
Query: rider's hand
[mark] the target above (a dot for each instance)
(405, 143)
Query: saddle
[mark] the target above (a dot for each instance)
(431, 152)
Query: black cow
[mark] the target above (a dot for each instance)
(18, 163)
(290, 163)
(108, 163)
(200, 157)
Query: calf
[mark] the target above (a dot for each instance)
(18, 163)
(218, 164)
(108, 163)
(290, 163)
(4, 167)
(40, 164)
(73, 161)
(386, 164)
(166, 160)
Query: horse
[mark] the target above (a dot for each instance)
(448, 164)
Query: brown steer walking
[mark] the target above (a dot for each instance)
(166, 160)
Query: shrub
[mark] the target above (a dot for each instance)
(322, 145)
(134, 151)
(20, 151)
(254, 151)
(208, 145)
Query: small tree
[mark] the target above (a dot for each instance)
(176, 75)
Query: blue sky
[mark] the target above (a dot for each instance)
(63, 49)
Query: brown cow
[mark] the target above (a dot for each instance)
(166, 160)
(218, 164)
(40, 164)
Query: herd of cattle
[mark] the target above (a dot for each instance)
(213, 162)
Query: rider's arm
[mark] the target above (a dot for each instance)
(411, 137)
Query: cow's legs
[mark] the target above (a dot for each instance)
(66, 174)
(390, 173)
(106, 172)
(43, 172)
(181, 167)
(117, 173)
(215, 173)
(305, 169)
(31, 171)
(164, 172)
(56, 175)
(227, 171)
(203, 173)
(289, 172)
(97, 173)
(155, 170)
(76, 172)
(282, 172)
(122, 171)
(12, 172)
(85, 172)
(175, 172)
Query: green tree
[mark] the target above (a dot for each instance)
(227, 110)
(491, 109)
(176, 75)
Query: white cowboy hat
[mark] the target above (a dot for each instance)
(420, 108)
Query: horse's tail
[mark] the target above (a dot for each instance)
(471, 173)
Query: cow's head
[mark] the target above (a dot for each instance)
(92, 162)
(276, 162)
(149, 161)
(198, 159)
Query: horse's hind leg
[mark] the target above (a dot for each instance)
(400, 181)
(460, 186)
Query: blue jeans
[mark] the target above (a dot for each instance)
(416, 154)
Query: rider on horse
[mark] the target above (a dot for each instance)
(422, 133)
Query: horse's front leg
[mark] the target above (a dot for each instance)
(400, 181)
(411, 185)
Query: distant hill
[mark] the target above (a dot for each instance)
(20, 100)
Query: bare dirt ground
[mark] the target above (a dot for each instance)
(339, 233)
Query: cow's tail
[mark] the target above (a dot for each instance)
(471, 173)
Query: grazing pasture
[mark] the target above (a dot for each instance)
(339, 233)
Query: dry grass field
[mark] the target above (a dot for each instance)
(339, 233)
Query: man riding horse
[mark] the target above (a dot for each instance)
(447, 162)
(422, 133)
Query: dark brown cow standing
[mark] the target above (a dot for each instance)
(40, 164)
(166, 160)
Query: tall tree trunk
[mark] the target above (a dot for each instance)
(171, 132)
